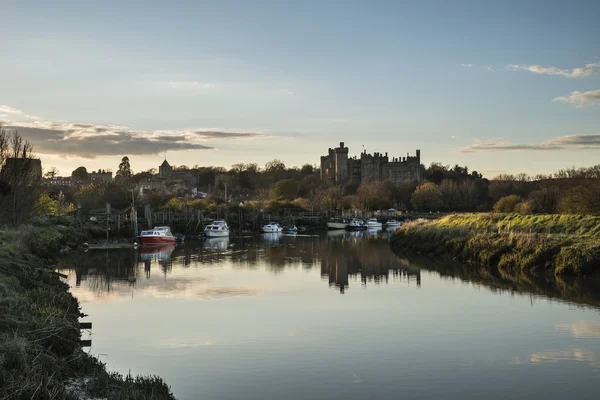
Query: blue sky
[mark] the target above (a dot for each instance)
(488, 84)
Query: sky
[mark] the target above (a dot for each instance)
(499, 86)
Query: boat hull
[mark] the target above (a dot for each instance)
(216, 234)
(272, 230)
(374, 226)
(155, 240)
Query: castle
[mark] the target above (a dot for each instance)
(337, 167)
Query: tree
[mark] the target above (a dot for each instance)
(20, 178)
(287, 189)
(174, 203)
(80, 174)
(90, 197)
(427, 197)
(51, 173)
(507, 204)
(124, 172)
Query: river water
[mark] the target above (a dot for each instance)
(335, 316)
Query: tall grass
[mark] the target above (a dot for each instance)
(562, 244)
(40, 347)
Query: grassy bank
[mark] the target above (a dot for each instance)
(40, 352)
(559, 244)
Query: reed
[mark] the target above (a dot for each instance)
(561, 244)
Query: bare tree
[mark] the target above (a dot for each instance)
(21, 175)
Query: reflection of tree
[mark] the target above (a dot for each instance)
(583, 291)
(102, 268)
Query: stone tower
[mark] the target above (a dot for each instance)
(341, 163)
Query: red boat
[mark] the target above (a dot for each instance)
(160, 235)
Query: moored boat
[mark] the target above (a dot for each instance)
(356, 224)
(272, 227)
(392, 223)
(337, 223)
(290, 229)
(373, 224)
(217, 229)
(157, 236)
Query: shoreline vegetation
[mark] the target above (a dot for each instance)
(559, 245)
(41, 356)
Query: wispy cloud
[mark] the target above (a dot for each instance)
(570, 142)
(226, 135)
(589, 70)
(9, 110)
(485, 66)
(91, 140)
(581, 99)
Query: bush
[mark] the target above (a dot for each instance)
(507, 204)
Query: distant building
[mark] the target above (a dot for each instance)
(58, 181)
(165, 170)
(336, 166)
(101, 177)
(18, 167)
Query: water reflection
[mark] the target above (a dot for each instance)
(342, 257)
(259, 317)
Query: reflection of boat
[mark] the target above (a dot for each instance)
(356, 224)
(373, 224)
(216, 243)
(336, 233)
(157, 253)
(158, 235)
(272, 236)
(272, 227)
(337, 223)
(217, 229)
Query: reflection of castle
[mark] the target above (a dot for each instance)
(371, 259)
(337, 167)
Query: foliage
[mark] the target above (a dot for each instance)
(46, 205)
(20, 178)
(507, 204)
(427, 197)
(124, 172)
(80, 174)
(174, 204)
(286, 189)
(90, 197)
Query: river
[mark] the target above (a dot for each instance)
(335, 316)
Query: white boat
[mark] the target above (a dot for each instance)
(337, 223)
(373, 224)
(217, 229)
(392, 223)
(160, 235)
(356, 224)
(272, 227)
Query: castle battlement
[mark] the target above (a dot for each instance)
(338, 167)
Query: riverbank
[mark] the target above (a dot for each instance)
(41, 356)
(557, 244)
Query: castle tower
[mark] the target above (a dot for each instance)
(341, 163)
